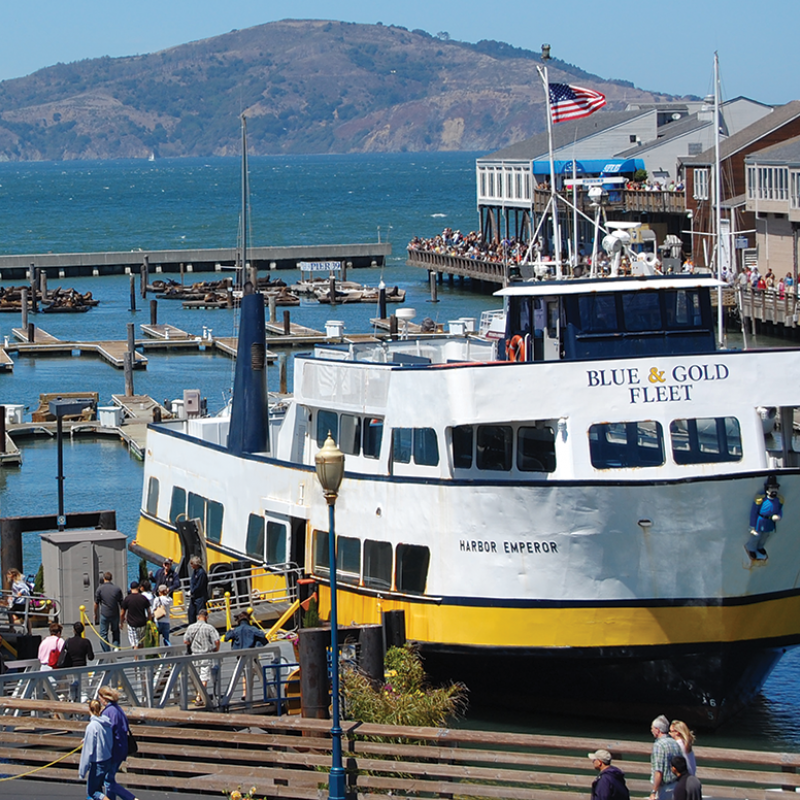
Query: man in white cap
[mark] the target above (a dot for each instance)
(664, 748)
(610, 783)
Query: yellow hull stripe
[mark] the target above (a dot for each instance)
(491, 626)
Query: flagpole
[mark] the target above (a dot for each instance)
(553, 202)
(718, 198)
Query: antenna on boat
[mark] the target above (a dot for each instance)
(552, 203)
(242, 266)
(718, 201)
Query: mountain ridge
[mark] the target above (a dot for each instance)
(306, 86)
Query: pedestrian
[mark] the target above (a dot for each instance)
(664, 748)
(20, 596)
(168, 577)
(680, 732)
(610, 783)
(198, 588)
(50, 648)
(96, 753)
(687, 786)
(160, 607)
(202, 638)
(244, 636)
(77, 651)
(136, 612)
(107, 606)
(120, 728)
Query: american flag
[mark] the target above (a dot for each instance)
(573, 102)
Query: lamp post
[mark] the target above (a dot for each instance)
(330, 471)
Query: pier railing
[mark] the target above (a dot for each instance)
(491, 271)
(769, 305)
(290, 757)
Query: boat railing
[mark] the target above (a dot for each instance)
(267, 590)
(490, 319)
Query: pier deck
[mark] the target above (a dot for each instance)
(6, 363)
(112, 352)
(166, 332)
(276, 329)
(68, 265)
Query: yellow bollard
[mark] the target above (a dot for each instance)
(84, 619)
(228, 610)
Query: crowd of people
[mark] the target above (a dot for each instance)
(472, 245)
(754, 279)
(655, 186)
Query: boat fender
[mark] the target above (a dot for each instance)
(515, 349)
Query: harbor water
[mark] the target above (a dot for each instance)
(194, 203)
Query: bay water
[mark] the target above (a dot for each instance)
(194, 203)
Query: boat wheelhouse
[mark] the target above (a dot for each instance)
(566, 506)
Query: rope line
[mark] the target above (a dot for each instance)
(45, 766)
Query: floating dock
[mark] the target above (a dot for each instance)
(68, 265)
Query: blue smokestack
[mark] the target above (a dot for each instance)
(249, 432)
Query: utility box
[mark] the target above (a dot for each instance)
(73, 562)
(191, 402)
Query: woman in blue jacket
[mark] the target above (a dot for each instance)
(119, 734)
(96, 752)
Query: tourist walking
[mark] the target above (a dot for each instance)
(77, 652)
(244, 636)
(136, 612)
(50, 648)
(167, 576)
(160, 607)
(200, 638)
(107, 605)
(120, 728)
(96, 752)
(687, 786)
(198, 588)
(610, 783)
(680, 732)
(20, 596)
(664, 748)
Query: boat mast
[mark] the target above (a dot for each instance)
(553, 202)
(718, 200)
(243, 253)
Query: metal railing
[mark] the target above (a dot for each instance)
(32, 610)
(161, 677)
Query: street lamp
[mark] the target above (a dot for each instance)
(330, 471)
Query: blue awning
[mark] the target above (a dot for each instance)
(591, 166)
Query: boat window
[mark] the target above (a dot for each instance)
(350, 434)
(321, 564)
(401, 445)
(462, 446)
(617, 445)
(536, 449)
(426, 447)
(196, 508)
(706, 440)
(348, 559)
(152, 497)
(214, 513)
(276, 542)
(411, 573)
(254, 544)
(683, 309)
(177, 506)
(327, 422)
(377, 564)
(598, 313)
(494, 447)
(373, 436)
(641, 311)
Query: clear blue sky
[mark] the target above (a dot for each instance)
(664, 46)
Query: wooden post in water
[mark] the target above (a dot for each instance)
(31, 332)
(345, 265)
(181, 273)
(131, 341)
(24, 307)
(154, 312)
(393, 327)
(133, 293)
(128, 375)
(229, 298)
(2, 429)
(34, 306)
(273, 308)
(282, 382)
(332, 289)
(382, 301)
(287, 323)
(434, 287)
(253, 270)
(144, 273)
(43, 284)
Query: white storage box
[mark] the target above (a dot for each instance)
(109, 416)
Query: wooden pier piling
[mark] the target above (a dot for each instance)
(287, 323)
(144, 271)
(24, 307)
(133, 292)
(434, 287)
(128, 367)
(154, 312)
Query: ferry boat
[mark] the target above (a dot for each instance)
(564, 514)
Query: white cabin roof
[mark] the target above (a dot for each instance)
(605, 285)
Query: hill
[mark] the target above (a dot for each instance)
(306, 87)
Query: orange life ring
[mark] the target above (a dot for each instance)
(515, 349)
